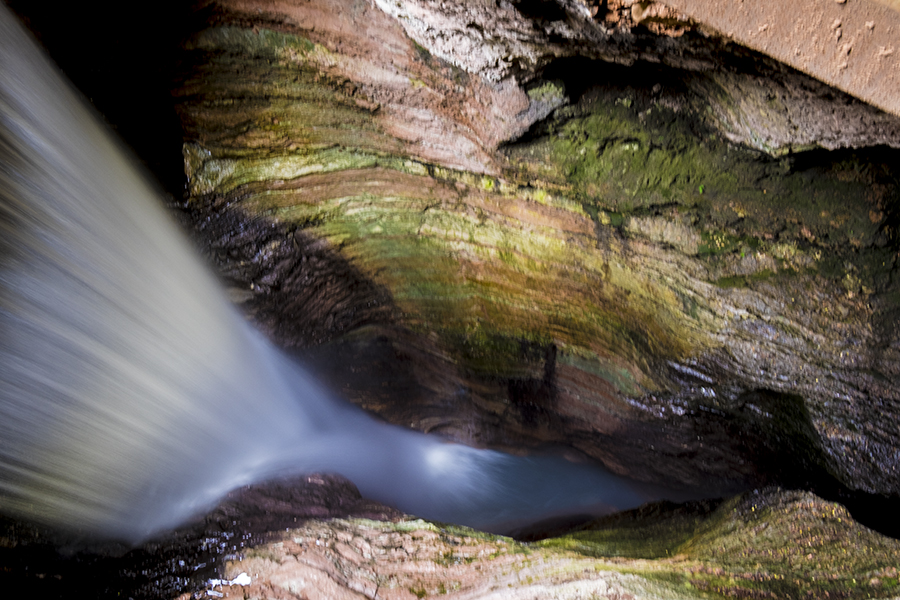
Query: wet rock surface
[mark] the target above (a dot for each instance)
(45, 564)
(487, 230)
(416, 559)
(769, 544)
(314, 537)
(619, 279)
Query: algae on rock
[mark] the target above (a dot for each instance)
(769, 544)
(618, 277)
(765, 544)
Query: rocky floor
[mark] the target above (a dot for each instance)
(314, 537)
(46, 564)
(768, 544)
(658, 266)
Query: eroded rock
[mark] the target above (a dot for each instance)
(760, 103)
(47, 564)
(772, 544)
(472, 257)
(622, 279)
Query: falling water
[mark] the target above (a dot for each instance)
(132, 395)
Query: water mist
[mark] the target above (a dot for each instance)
(132, 395)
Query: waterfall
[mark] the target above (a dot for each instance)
(133, 396)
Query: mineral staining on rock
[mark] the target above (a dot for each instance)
(614, 275)
(416, 559)
(769, 544)
(784, 246)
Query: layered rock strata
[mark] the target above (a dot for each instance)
(558, 250)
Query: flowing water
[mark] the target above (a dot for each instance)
(132, 395)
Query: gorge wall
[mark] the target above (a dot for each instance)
(556, 224)
(636, 233)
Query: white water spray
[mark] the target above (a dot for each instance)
(132, 395)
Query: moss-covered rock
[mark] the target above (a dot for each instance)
(769, 544)
(622, 279)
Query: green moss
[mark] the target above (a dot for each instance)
(771, 544)
(602, 217)
(488, 289)
(619, 165)
(223, 175)
(260, 107)
(549, 92)
(495, 265)
(720, 242)
(588, 362)
(762, 544)
(737, 281)
(762, 275)
(742, 281)
(619, 157)
(651, 532)
(421, 51)
(253, 43)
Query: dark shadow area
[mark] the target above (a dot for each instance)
(540, 10)
(874, 165)
(395, 374)
(296, 288)
(680, 518)
(125, 64)
(579, 74)
(640, 86)
(40, 564)
(535, 397)
(786, 451)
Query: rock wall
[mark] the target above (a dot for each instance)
(548, 247)
(602, 228)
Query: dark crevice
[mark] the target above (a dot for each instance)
(300, 292)
(780, 439)
(582, 79)
(540, 10)
(125, 66)
(579, 74)
(535, 398)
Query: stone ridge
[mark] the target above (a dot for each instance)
(620, 280)
(769, 544)
(770, 106)
(415, 559)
